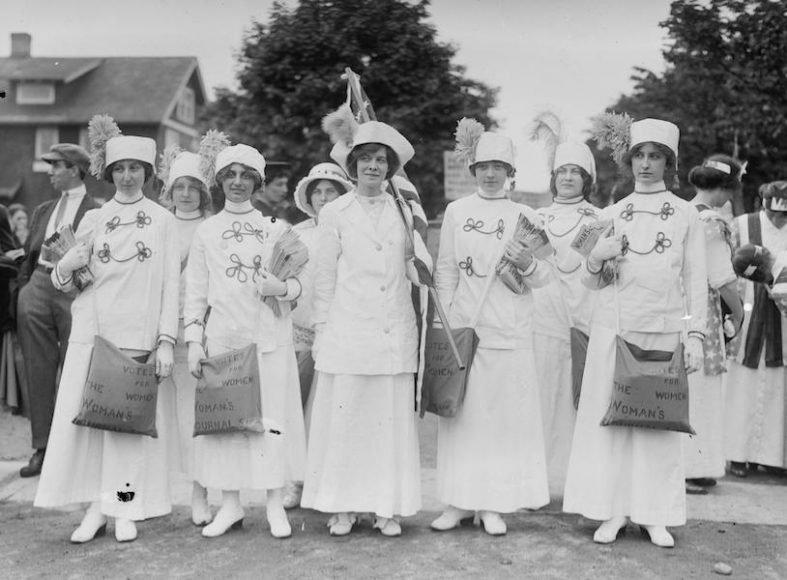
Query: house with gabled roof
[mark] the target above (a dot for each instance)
(51, 99)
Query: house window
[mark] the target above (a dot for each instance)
(35, 93)
(45, 138)
(185, 110)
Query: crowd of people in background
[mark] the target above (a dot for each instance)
(179, 279)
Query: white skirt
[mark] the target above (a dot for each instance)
(622, 471)
(235, 461)
(703, 453)
(363, 446)
(83, 464)
(754, 414)
(491, 455)
(553, 362)
(185, 385)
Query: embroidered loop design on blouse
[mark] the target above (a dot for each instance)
(583, 213)
(661, 243)
(472, 225)
(561, 270)
(239, 231)
(141, 220)
(143, 253)
(238, 270)
(667, 210)
(467, 266)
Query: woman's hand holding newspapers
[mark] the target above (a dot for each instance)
(518, 254)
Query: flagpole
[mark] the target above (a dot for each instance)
(353, 84)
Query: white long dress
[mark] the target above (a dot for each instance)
(135, 294)
(629, 471)
(563, 303)
(754, 414)
(704, 452)
(490, 456)
(363, 440)
(228, 252)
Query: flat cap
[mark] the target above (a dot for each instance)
(70, 153)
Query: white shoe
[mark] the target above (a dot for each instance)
(388, 527)
(226, 518)
(292, 495)
(280, 525)
(93, 525)
(125, 530)
(200, 510)
(608, 531)
(659, 536)
(341, 524)
(493, 523)
(451, 518)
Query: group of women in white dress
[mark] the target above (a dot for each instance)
(341, 352)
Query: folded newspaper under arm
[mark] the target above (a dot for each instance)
(536, 240)
(56, 246)
(587, 238)
(288, 259)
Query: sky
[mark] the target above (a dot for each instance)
(572, 57)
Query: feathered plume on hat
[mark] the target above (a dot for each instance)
(100, 129)
(546, 128)
(165, 163)
(613, 131)
(468, 132)
(340, 125)
(210, 145)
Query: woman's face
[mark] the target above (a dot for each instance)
(568, 181)
(128, 175)
(238, 183)
(19, 221)
(324, 192)
(186, 193)
(491, 176)
(372, 167)
(648, 164)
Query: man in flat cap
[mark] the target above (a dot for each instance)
(43, 313)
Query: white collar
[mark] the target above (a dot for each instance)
(188, 215)
(75, 193)
(235, 207)
(657, 187)
(501, 194)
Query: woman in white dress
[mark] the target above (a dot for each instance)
(755, 417)
(716, 180)
(363, 440)
(324, 183)
(565, 303)
(186, 194)
(620, 473)
(226, 274)
(130, 245)
(490, 456)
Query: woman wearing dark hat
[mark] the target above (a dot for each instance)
(619, 473)
(716, 180)
(227, 275)
(131, 248)
(490, 456)
(755, 418)
(324, 183)
(363, 442)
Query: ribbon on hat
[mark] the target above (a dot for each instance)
(719, 166)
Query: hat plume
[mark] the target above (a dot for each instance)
(210, 145)
(100, 129)
(547, 129)
(612, 131)
(468, 132)
(165, 162)
(340, 125)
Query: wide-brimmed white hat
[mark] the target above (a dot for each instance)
(656, 131)
(186, 164)
(374, 132)
(130, 147)
(321, 171)
(494, 147)
(573, 153)
(243, 154)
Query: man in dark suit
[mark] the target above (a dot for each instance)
(43, 313)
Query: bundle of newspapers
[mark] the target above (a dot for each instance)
(56, 246)
(587, 238)
(534, 239)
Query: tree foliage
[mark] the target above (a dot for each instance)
(290, 77)
(725, 86)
